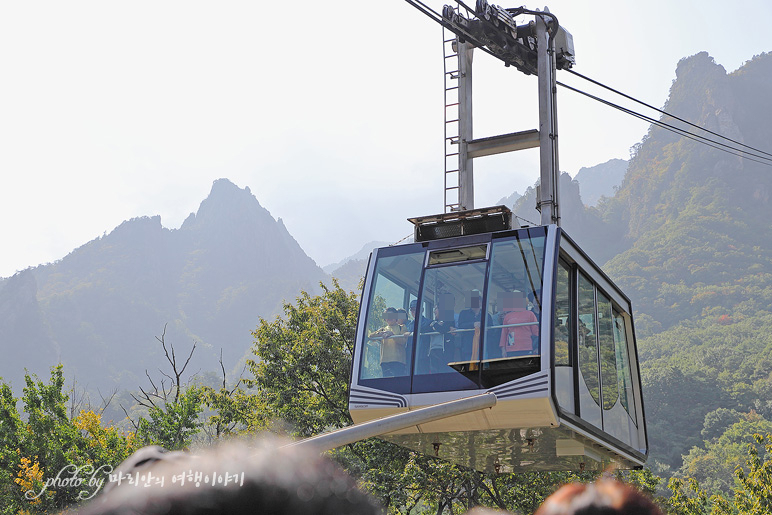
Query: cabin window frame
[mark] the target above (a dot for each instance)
(398, 384)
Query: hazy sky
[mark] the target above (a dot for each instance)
(331, 112)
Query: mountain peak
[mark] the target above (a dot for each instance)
(227, 203)
(701, 60)
(230, 221)
(224, 186)
(223, 190)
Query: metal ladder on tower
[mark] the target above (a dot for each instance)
(452, 71)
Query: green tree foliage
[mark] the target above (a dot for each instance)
(173, 424)
(43, 440)
(231, 410)
(668, 440)
(48, 437)
(713, 465)
(176, 410)
(752, 494)
(380, 468)
(304, 360)
(687, 497)
(717, 421)
(692, 370)
(440, 485)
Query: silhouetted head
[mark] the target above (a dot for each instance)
(234, 478)
(605, 497)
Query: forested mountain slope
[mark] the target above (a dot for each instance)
(698, 264)
(100, 308)
(698, 216)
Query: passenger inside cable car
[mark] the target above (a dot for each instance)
(519, 327)
(392, 342)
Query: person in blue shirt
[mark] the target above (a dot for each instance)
(469, 320)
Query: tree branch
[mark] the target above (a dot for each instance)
(106, 402)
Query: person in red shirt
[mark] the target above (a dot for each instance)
(520, 327)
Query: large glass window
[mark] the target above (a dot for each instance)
(587, 354)
(613, 354)
(511, 346)
(473, 324)
(622, 422)
(564, 340)
(608, 358)
(448, 330)
(623, 365)
(387, 351)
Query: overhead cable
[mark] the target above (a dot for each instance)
(664, 112)
(682, 132)
(418, 4)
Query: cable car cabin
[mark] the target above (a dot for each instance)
(474, 306)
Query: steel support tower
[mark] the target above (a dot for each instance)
(460, 146)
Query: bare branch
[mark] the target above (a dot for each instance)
(148, 402)
(174, 377)
(173, 358)
(106, 402)
(167, 376)
(78, 400)
(155, 388)
(179, 374)
(188, 360)
(222, 367)
(241, 380)
(134, 424)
